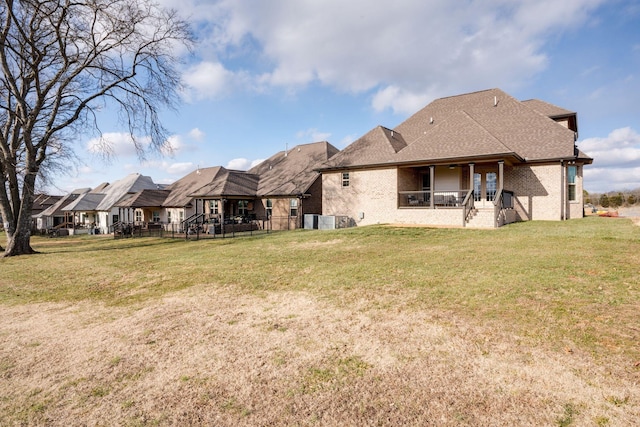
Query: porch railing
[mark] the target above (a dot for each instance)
(422, 199)
(503, 200)
(468, 206)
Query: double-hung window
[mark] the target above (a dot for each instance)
(242, 207)
(293, 207)
(572, 172)
(269, 208)
(345, 179)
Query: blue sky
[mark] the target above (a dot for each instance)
(265, 75)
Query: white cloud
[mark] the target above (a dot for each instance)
(242, 163)
(207, 80)
(180, 169)
(173, 146)
(601, 180)
(197, 135)
(406, 52)
(118, 144)
(616, 164)
(619, 149)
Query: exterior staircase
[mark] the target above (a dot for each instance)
(481, 218)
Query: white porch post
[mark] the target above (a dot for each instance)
(471, 173)
(501, 174)
(432, 181)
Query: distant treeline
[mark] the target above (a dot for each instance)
(613, 199)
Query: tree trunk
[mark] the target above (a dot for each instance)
(19, 232)
(19, 241)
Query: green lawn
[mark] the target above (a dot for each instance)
(534, 323)
(550, 280)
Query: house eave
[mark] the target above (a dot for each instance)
(512, 157)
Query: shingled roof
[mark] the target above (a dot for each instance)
(56, 208)
(286, 173)
(292, 172)
(229, 183)
(85, 203)
(130, 184)
(181, 190)
(144, 199)
(470, 126)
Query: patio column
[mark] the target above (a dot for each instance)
(501, 174)
(432, 181)
(471, 173)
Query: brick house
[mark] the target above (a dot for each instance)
(276, 192)
(482, 159)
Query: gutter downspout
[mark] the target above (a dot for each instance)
(562, 187)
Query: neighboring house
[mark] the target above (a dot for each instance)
(41, 202)
(182, 206)
(97, 209)
(54, 216)
(290, 185)
(107, 210)
(83, 211)
(481, 159)
(279, 189)
(143, 207)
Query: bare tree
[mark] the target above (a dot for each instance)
(64, 60)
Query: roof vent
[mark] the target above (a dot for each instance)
(495, 101)
(391, 134)
(431, 120)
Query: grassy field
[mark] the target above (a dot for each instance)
(532, 324)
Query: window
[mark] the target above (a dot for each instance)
(213, 207)
(181, 216)
(477, 187)
(345, 179)
(138, 215)
(293, 207)
(491, 186)
(242, 207)
(269, 208)
(572, 172)
(168, 217)
(156, 216)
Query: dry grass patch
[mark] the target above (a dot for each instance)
(211, 355)
(532, 324)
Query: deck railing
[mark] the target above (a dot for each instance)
(422, 199)
(503, 200)
(468, 206)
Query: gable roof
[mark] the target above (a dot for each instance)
(229, 183)
(146, 198)
(378, 146)
(130, 184)
(292, 172)
(547, 109)
(475, 125)
(85, 202)
(181, 190)
(56, 208)
(43, 201)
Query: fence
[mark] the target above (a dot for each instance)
(193, 231)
